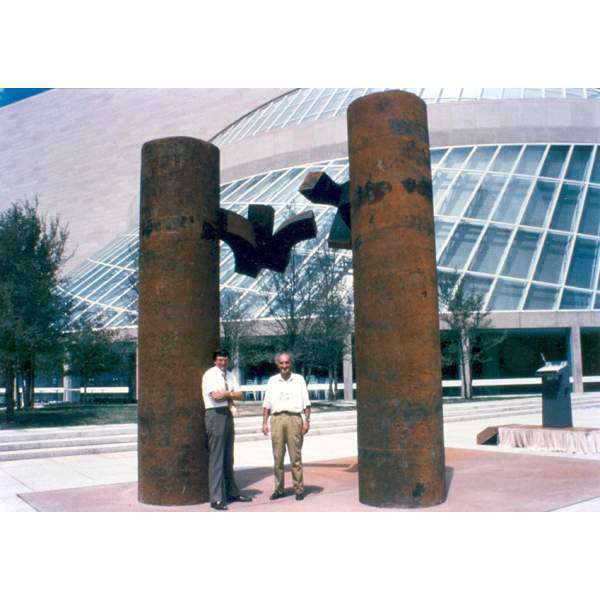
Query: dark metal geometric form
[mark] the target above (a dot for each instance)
(252, 241)
(238, 233)
(276, 252)
(319, 188)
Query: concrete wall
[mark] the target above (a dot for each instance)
(279, 148)
(514, 121)
(530, 319)
(78, 150)
(450, 124)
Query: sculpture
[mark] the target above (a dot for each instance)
(180, 225)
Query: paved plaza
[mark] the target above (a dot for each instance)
(479, 478)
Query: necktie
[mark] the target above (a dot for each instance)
(225, 379)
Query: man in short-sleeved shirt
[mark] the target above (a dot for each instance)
(219, 389)
(286, 401)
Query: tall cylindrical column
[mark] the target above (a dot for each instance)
(178, 327)
(399, 388)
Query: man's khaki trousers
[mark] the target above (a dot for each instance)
(286, 430)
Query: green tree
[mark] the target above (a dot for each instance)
(235, 327)
(311, 309)
(92, 351)
(333, 310)
(291, 306)
(7, 349)
(33, 312)
(464, 313)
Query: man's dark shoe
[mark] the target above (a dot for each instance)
(218, 505)
(239, 498)
(300, 496)
(276, 496)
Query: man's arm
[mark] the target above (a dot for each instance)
(214, 388)
(235, 393)
(267, 405)
(306, 424)
(266, 414)
(306, 403)
(232, 408)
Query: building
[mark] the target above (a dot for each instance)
(516, 176)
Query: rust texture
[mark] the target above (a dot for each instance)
(400, 422)
(178, 316)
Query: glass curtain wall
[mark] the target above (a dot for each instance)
(520, 222)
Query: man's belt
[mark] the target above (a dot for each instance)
(287, 412)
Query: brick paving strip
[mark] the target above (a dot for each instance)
(476, 481)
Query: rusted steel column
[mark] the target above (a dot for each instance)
(178, 317)
(400, 424)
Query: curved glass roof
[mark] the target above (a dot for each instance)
(311, 104)
(519, 222)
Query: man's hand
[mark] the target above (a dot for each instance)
(305, 426)
(219, 395)
(266, 413)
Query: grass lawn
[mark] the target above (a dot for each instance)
(64, 415)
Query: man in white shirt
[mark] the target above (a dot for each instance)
(286, 400)
(219, 389)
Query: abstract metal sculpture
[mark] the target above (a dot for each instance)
(178, 330)
(387, 208)
(318, 187)
(252, 241)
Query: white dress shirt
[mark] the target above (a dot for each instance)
(214, 381)
(289, 395)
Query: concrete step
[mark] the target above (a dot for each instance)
(53, 433)
(242, 424)
(67, 451)
(132, 446)
(452, 418)
(72, 441)
(67, 442)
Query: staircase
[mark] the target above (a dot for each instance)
(93, 439)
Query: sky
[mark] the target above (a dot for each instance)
(10, 95)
